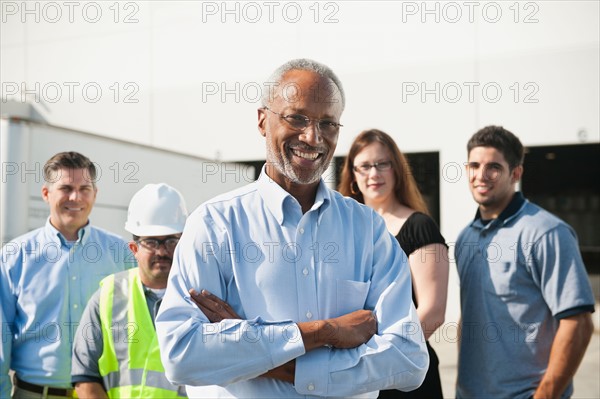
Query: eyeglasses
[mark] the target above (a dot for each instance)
(154, 243)
(301, 122)
(366, 167)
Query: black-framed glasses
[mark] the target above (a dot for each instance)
(366, 167)
(154, 243)
(301, 122)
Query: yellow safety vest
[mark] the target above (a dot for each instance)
(130, 363)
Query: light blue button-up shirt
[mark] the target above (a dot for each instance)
(254, 248)
(45, 283)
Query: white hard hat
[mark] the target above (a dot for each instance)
(156, 210)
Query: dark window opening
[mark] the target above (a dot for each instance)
(563, 180)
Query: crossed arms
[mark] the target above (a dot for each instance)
(347, 326)
(347, 331)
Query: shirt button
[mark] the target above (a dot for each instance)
(301, 230)
(308, 315)
(311, 387)
(305, 272)
(74, 277)
(75, 306)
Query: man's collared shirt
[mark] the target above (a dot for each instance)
(519, 275)
(255, 249)
(45, 283)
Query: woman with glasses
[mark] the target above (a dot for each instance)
(377, 174)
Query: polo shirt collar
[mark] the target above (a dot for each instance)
(514, 206)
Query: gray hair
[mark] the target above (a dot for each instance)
(303, 64)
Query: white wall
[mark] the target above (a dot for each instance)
(122, 168)
(175, 51)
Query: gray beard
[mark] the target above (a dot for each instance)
(284, 166)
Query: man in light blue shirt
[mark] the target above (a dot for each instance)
(322, 290)
(47, 277)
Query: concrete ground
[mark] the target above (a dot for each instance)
(587, 379)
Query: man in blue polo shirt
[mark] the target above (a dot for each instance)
(526, 299)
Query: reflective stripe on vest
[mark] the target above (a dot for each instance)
(132, 377)
(130, 363)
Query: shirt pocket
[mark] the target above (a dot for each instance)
(351, 295)
(500, 279)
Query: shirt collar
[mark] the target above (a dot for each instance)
(276, 198)
(513, 207)
(82, 235)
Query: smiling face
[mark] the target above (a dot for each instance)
(71, 196)
(376, 186)
(491, 181)
(299, 157)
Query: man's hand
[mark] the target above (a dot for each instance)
(286, 372)
(212, 306)
(347, 331)
(90, 390)
(352, 329)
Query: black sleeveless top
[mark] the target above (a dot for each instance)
(418, 231)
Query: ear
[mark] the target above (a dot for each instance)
(262, 121)
(45, 192)
(133, 246)
(517, 173)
